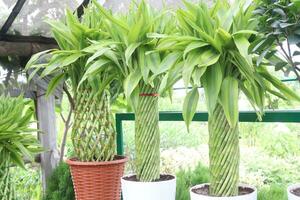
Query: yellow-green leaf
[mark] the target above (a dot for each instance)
(190, 105)
(229, 100)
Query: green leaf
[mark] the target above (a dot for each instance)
(212, 81)
(188, 67)
(135, 31)
(35, 58)
(130, 50)
(208, 57)
(131, 82)
(61, 61)
(289, 93)
(223, 37)
(190, 105)
(296, 53)
(192, 46)
(142, 64)
(245, 33)
(106, 14)
(93, 69)
(197, 74)
(54, 83)
(171, 77)
(229, 100)
(243, 44)
(167, 62)
(262, 56)
(96, 55)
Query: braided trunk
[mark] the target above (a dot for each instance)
(7, 190)
(224, 155)
(93, 133)
(147, 136)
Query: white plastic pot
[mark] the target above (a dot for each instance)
(251, 196)
(291, 196)
(162, 190)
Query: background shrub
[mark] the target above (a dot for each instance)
(189, 178)
(60, 185)
(277, 192)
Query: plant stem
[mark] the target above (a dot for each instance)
(224, 155)
(288, 56)
(67, 122)
(147, 136)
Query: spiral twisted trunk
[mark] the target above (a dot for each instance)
(7, 190)
(93, 133)
(147, 136)
(224, 155)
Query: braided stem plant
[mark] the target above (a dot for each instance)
(216, 57)
(144, 68)
(7, 190)
(86, 61)
(16, 140)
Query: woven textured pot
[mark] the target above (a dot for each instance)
(97, 180)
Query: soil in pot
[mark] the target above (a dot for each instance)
(163, 177)
(296, 192)
(205, 190)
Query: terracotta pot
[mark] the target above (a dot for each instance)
(97, 180)
(250, 196)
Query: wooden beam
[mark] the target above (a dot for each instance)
(27, 39)
(23, 48)
(12, 16)
(45, 107)
(17, 92)
(80, 9)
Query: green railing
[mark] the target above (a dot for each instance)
(286, 116)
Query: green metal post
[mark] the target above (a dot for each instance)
(119, 130)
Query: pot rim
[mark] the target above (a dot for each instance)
(240, 185)
(291, 187)
(129, 175)
(119, 160)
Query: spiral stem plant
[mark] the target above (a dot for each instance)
(144, 68)
(214, 44)
(147, 136)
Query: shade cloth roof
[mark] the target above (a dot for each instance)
(24, 20)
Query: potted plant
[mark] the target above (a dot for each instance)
(217, 58)
(279, 43)
(96, 169)
(144, 69)
(17, 141)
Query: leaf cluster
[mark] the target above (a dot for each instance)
(16, 136)
(136, 36)
(278, 23)
(86, 55)
(216, 57)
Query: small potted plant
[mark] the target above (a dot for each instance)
(144, 69)
(17, 141)
(96, 169)
(217, 58)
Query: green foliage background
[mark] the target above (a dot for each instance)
(60, 185)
